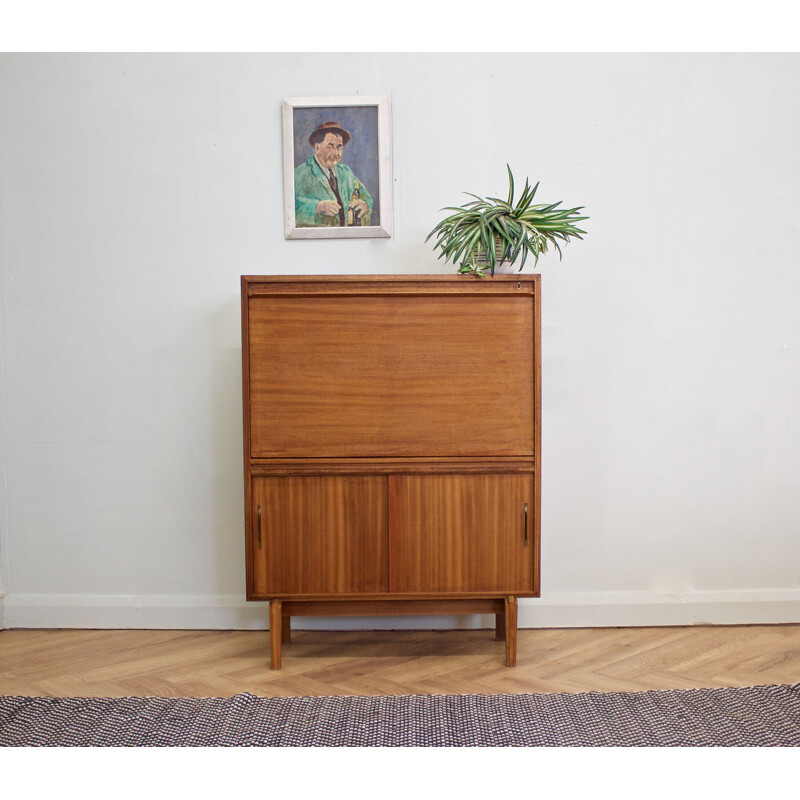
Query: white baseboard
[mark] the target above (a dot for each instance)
(555, 610)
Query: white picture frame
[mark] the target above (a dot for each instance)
(364, 130)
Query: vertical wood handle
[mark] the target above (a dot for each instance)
(526, 524)
(259, 527)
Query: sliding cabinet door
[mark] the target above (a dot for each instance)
(462, 533)
(318, 535)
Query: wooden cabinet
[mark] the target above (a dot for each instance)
(391, 446)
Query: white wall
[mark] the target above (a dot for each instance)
(136, 189)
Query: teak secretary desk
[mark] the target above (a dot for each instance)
(392, 429)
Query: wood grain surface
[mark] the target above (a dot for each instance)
(461, 533)
(118, 663)
(405, 375)
(320, 534)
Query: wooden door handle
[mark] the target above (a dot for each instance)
(526, 524)
(259, 527)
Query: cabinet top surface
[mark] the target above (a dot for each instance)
(468, 279)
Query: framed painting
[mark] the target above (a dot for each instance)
(337, 180)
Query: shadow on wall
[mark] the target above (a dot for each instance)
(224, 469)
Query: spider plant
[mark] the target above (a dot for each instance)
(485, 232)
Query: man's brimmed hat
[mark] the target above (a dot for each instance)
(329, 127)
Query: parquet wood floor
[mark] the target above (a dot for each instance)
(117, 663)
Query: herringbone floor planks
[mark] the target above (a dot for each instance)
(222, 663)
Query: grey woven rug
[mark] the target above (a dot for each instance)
(762, 716)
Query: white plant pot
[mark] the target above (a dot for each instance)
(505, 268)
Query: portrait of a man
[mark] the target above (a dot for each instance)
(327, 191)
(336, 167)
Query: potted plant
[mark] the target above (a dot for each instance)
(487, 232)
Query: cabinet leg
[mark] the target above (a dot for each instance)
(275, 619)
(499, 627)
(286, 629)
(511, 631)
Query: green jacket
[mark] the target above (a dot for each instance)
(311, 185)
